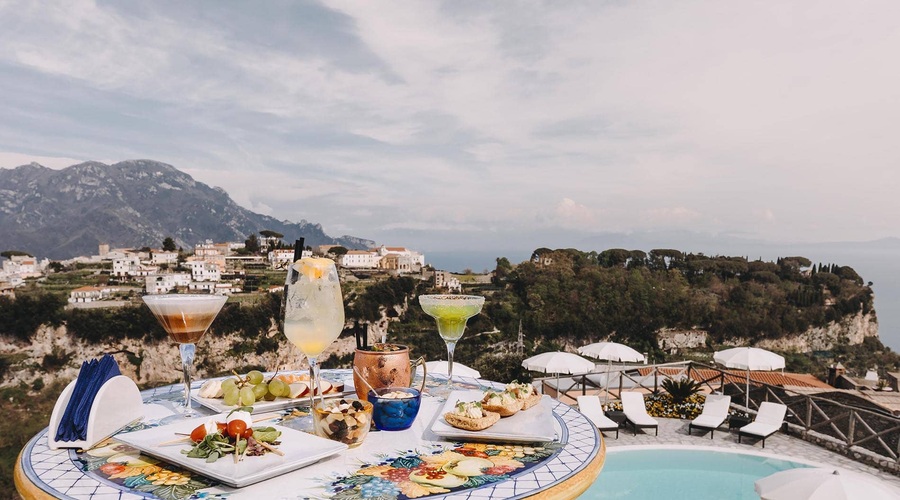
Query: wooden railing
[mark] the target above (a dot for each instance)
(844, 423)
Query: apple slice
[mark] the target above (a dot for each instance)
(299, 389)
(325, 388)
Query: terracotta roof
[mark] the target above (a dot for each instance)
(739, 376)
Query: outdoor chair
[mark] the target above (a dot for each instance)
(768, 420)
(715, 411)
(636, 412)
(592, 409)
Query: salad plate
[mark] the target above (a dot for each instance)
(300, 449)
(534, 425)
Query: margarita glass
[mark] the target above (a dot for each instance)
(313, 311)
(185, 317)
(451, 313)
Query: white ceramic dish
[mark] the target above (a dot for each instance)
(534, 425)
(299, 448)
(218, 404)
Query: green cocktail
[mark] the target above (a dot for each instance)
(451, 313)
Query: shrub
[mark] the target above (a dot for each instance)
(681, 389)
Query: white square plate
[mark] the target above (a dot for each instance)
(534, 425)
(299, 448)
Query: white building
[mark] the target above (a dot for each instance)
(415, 257)
(360, 259)
(124, 266)
(86, 294)
(164, 283)
(23, 266)
(443, 279)
(204, 271)
(159, 257)
(132, 267)
(281, 258)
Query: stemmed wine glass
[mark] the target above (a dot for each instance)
(451, 312)
(185, 317)
(313, 311)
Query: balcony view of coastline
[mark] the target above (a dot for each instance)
(324, 249)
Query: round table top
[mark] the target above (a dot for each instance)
(563, 468)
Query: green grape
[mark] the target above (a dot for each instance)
(255, 377)
(269, 396)
(278, 388)
(260, 390)
(232, 396)
(247, 396)
(228, 382)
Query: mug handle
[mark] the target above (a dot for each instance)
(413, 365)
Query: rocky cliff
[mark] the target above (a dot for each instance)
(149, 364)
(852, 329)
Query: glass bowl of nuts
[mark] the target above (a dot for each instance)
(345, 420)
(394, 408)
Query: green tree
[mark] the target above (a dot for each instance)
(251, 244)
(338, 251)
(168, 244)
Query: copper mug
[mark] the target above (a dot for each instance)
(383, 365)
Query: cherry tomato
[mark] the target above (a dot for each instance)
(220, 426)
(248, 432)
(236, 428)
(198, 434)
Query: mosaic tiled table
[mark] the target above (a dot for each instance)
(378, 469)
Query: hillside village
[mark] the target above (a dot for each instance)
(221, 268)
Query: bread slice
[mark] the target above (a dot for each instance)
(509, 406)
(531, 401)
(472, 424)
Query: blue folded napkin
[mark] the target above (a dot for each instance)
(93, 374)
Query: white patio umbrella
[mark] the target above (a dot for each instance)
(558, 362)
(441, 367)
(822, 484)
(611, 351)
(749, 358)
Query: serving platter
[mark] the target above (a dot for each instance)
(218, 404)
(534, 425)
(300, 449)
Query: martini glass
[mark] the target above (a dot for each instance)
(451, 313)
(185, 317)
(313, 311)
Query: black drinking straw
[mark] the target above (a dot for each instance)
(298, 249)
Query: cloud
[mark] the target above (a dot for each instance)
(372, 117)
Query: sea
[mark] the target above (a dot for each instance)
(877, 261)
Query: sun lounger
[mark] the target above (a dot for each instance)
(592, 409)
(715, 411)
(636, 412)
(767, 422)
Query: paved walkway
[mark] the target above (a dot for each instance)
(674, 432)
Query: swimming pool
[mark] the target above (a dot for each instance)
(683, 474)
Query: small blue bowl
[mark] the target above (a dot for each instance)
(394, 414)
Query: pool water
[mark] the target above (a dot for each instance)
(682, 474)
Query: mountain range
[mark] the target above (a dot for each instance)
(64, 213)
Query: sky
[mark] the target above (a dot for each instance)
(484, 125)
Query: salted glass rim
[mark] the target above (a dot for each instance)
(450, 299)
